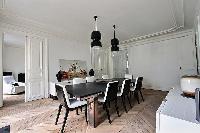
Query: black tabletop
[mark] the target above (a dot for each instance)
(87, 89)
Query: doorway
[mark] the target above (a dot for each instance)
(35, 66)
(13, 68)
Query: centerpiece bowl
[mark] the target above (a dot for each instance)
(189, 83)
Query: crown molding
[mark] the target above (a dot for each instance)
(176, 26)
(169, 36)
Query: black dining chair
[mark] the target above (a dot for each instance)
(70, 104)
(109, 96)
(124, 92)
(137, 89)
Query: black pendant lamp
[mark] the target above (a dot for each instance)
(114, 42)
(96, 36)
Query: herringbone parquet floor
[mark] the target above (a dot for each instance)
(141, 118)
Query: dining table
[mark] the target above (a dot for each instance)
(89, 91)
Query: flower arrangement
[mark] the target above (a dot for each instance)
(73, 72)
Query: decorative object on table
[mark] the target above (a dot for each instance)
(189, 83)
(114, 42)
(72, 70)
(91, 72)
(96, 36)
(197, 94)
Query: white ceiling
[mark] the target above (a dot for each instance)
(133, 17)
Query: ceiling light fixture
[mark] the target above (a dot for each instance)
(114, 42)
(96, 36)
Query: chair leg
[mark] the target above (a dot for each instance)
(141, 96)
(65, 119)
(107, 111)
(117, 109)
(129, 101)
(81, 109)
(77, 111)
(137, 97)
(86, 114)
(123, 102)
(59, 110)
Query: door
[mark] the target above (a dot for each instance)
(36, 64)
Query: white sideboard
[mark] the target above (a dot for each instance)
(177, 114)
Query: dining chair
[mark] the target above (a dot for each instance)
(90, 79)
(70, 104)
(78, 80)
(105, 77)
(137, 89)
(109, 96)
(132, 91)
(124, 92)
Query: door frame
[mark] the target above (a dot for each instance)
(45, 55)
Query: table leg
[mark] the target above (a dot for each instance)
(93, 113)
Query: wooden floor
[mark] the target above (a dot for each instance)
(39, 116)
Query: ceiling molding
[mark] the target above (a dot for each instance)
(178, 24)
(164, 37)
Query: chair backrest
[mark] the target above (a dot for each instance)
(90, 79)
(139, 83)
(111, 91)
(78, 80)
(62, 94)
(128, 76)
(136, 80)
(105, 77)
(127, 86)
(8, 79)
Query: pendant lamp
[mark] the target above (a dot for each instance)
(96, 36)
(114, 42)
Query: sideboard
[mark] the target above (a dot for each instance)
(177, 114)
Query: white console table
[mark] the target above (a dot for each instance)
(177, 114)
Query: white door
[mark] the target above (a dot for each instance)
(36, 60)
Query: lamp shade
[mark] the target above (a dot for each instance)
(114, 42)
(96, 36)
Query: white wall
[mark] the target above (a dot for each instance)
(14, 59)
(69, 50)
(159, 60)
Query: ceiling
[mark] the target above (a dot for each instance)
(133, 18)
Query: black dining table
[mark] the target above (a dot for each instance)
(88, 90)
